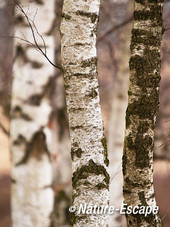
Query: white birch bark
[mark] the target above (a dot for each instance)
(32, 194)
(117, 128)
(143, 104)
(88, 149)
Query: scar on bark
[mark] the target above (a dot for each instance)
(36, 148)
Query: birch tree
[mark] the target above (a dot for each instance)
(117, 129)
(90, 179)
(143, 105)
(32, 194)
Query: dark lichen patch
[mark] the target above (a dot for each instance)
(76, 152)
(89, 62)
(93, 93)
(77, 218)
(129, 142)
(79, 44)
(101, 186)
(124, 162)
(141, 152)
(104, 143)
(93, 16)
(154, 13)
(145, 107)
(131, 183)
(143, 66)
(143, 127)
(91, 169)
(76, 127)
(142, 198)
(66, 16)
(148, 38)
(75, 144)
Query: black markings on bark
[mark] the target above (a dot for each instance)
(66, 16)
(154, 13)
(76, 152)
(36, 99)
(104, 143)
(142, 108)
(35, 148)
(36, 65)
(17, 112)
(40, 2)
(87, 170)
(93, 16)
(89, 62)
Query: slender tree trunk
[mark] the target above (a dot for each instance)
(88, 147)
(117, 128)
(142, 108)
(32, 194)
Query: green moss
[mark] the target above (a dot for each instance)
(87, 170)
(104, 143)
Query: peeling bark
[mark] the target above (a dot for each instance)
(88, 145)
(32, 194)
(143, 105)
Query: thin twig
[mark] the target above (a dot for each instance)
(4, 130)
(29, 21)
(109, 31)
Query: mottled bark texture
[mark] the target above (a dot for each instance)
(90, 179)
(32, 194)
(143, 105)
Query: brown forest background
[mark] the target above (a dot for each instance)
(115, 16)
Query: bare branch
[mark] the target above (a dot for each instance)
(33, 28)
(4, 130)
(109, 31)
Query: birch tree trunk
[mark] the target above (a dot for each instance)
(88, 146)
(117, 128)
(142, 108)
(32, 194)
